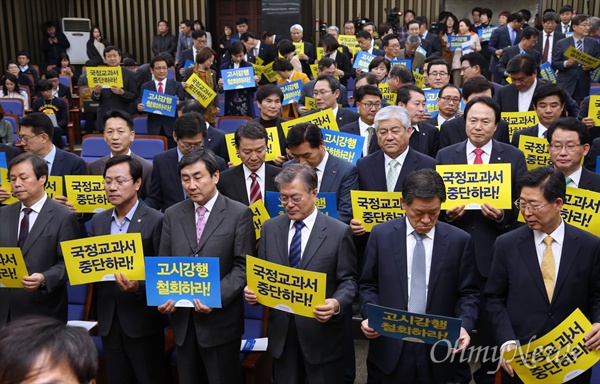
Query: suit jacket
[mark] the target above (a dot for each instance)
(42, 254)
(427, 140)
(268, 53)
(63, 91)
(511, 52)
(309, 50)
(228, 235)
(574, 76)
(417, 61)
(354, 129)
(500, 39)
(556, 37)
(166, 43)
(508, 100)
(589, 180)
(67, 163)
(10, 151)
(329, 250)
(531, 131)
(515, 293)
(136, 318)
(215, 141)
(485, 231)
(232, 183)
(453, 132)
(308, 91)
(342, 62)
(109, 100)
(165, 186)
(281, 134)
(371, 170)
(452, 289)
(156, 122)
(343, 116)
(96, 167)
(436, 45)
(594, 152)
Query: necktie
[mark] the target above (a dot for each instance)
(255, 193)
(545, 134)
(392, 176)
(546, 49)
(24, 227)
(548, 267)
(417, 301)
(568, 180)
(296, 245)
(579, 45)
(478, 159)
(201, 211)
(565, 29)
(160, 87)
(512, 36)
(370, 131)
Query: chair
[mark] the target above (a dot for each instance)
(221, 107)
(140, 125)
(257, 366)
(229, 124)
(594, 89)
(30, 98)
(13, 106)
(93, 148)
(171, 73)
(14, 121)
(256, 109)
(350, 85)
(147, 146)
(67, 81)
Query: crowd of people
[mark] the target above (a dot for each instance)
(508, 280)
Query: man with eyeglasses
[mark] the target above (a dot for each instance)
(368, 99)
(448, 102)
(309, 349)
(326, 93)
(269, 98)
(543, 271)
(189, 132)
(199, 39)
(438, 73)
(326, 66)
(133, 336)
(549, 36)
(473, 64)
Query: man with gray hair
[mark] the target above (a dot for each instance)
(307, 349)
(399, 75)
(409, 52)
(308, 55)
(335, 32)
(595, 28)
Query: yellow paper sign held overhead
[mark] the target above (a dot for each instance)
(104, 76)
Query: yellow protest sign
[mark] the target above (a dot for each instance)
(310, 103)
(556, 357)
(98, 258)
(258, 61)
(292, 290)
(419, 79)
(476, 184)
(258, 69)
(348, 40)
(54, 186)
(323, 119)
(104, 76)
(199, 90)
(594, 109)
(508, 79)
(299, 48)
(583, 58)
(388, 96)
(86, 193)
(371, 208)
(259, 216)
(581, 209)
(535, 150)
(12, 268)
(269, 73)
(519, 120)
(314, 70)
(273, 148)
(320, 53)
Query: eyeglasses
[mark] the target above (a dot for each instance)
(559, 147)
(440, 74)
(188, 146)
(449, 99)
(24, 139)
(317, 93)
(286, 199)
(462, 69)
(371, 105)
(531, 208)
(119, 181)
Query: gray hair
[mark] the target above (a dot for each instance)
(333, 28)
(594, 23)
(297, 26)
(414, 39)
(393, 112)
(402, 72)
(302, 172)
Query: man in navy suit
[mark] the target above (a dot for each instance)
(326, 93)
(395, 275)
(257, 49)
(424, 138)
(529, 39)
(368, 100)
(543, 271)
(414, 28)
(161, 124)
(573, 76)
(549, 36)
(165, 189)
(214, 139)
(199, 39)
(326, 66)
(433, 38)
(306, 145)
(504, 37)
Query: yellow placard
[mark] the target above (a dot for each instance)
(348, 40)
(419, 79)
(199, 90)
(54, 186)
(519, 120)
(86, 193)
(535, 150)
(292, 290)
(98, 258)
(556, 357)
(583, 58)
(258, 61)
(581, 209)
(314, 70)
(476, 184)
(320, 53)
(388, 96)
(273, 148)
(594, 109)
(258, 69)
(323, 119)
(299, 48)
(310, 103)
(269, 73)
(371, 208)
(104, 76)
(508, 79)
(12, 267)
(259, 216)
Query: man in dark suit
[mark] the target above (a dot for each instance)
(386, 281)
(214, 139)
(504, 37)
(10, 152)
(448, 103)
(199, 39)
(267, 53)
(310, 54)
(438, 72)
(161, 124)
(549, 36)
(368, 100)
(542, 272)
(326, 66)
(573, 76)
(409, 52)
(118, 136)
(433, 38)
(326, 92)
(133, 337)
(269, 98)
(208, 224)
(164, 42)
(529, 38)
(424, 137)
(37, 225)
(306, 349)
(115, 97)
(365, 42)
(248, 182)
(165, 188)
(414, 28)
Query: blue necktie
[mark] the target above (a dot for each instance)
(417, 301)
(296, 245)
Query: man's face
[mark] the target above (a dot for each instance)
(297, 35)
(422, 213)
(413, 29)
(23, 60)
(369, 28)
(545, 219)
(31, 142)
(55, 81)
(449, 102)
(42, 372)
(476, 16)
(368, 108)
(162, 28)
(438, 76)
(299, 203)
(13, 69)
(521, 81)
(393, 137)
(349, 29)
(118, 136)
(328, 71)
(549, 109)
(188, 143)
(392, 49)
(160, 70)
(47, 95)
(415, 107)
(112, 58)
(120, 188)
(304, 153)
(408, 17)
(185, 29)
(527, 44)
(200, 43)
(51, 31)
(566, 150)
(242, 28)
(270, 107)
(410, 49)
(25, 185)
(364, 44)
(480, 124)
(197, 183)
(250, 44)
(252, 152)
(324, 97)
(483, 19)
(583, 29)
(549, 26)
(467, 71)
(566, 17)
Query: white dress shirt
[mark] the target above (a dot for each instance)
(575, 178)
(401, 159)
(525, 97)
(485, 156)
(50, 159)
(410, 246)
(309, 223)
(260, 173)
(321, 169)
(362, 126)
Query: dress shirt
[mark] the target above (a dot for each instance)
(209, 207)
(50, 158)
(485, 156)
(525, 97)
(541, 131)
(559, 238)
(410, 246)
(362, 126)
(401, 159)
(118, 229)
(321, 169)
(260, 173)
(575, 178)
(309, 223)
(36, 208)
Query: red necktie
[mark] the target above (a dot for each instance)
(160, 87)
(255, 193)
(478, 159)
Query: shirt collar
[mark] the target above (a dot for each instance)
(410, 230)
(50, 156)
(260, 172)
(558, 235)
(209, 204)
(362, 126)
(179, 155)
(309, 221)
(323, 163)
(487, 148)
(128, 153)
(576, 176)
(37, 207)
(129, 214)
(400, 159)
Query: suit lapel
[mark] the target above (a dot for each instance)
(329, 174)
(137, 220)
(410, 164)
(13, 220)
(173, 172)
(214, 220)
(566, 260)
(57, 166)
(240, 184)
(460, 156)
(379, 172)
(105, 223)
(44, 217)
(398, 237)
(317, 236)
(270, 174)
(188, 223)
(528, 253)
(282, 240)
(438, 258)
(497, 153)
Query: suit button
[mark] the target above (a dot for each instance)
(550, 315)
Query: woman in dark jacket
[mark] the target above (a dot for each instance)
(96, 45)
(238, 102)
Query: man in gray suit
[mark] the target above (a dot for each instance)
(212, 225)
(26, 224)
(306, 349)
